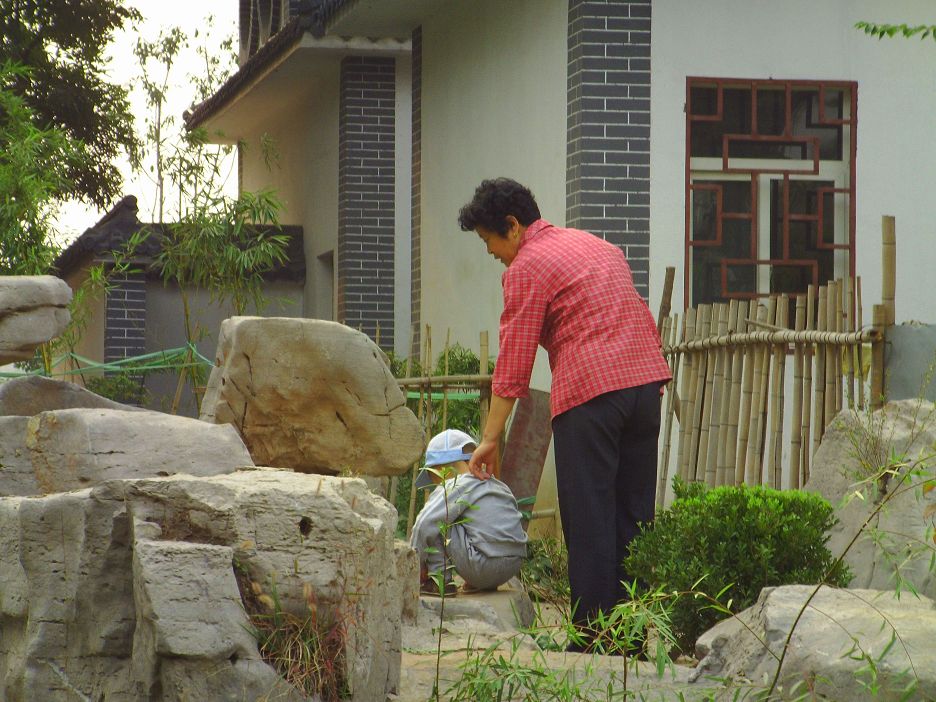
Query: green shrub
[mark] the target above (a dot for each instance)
(736, 539)
(122, 386)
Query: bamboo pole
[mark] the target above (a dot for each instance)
(776, 400)
(724, 420)
(485, 403)
(734, 403)
(859, 323)
(850, 326)
(783, 336)
(705, 416)
(411, 512)
(796, 420)
(878, 388)
(829, 412)
(820, 379)
(448, 340)
(714, 400)
(889, 267)
(839, 327)
(807, 383)
(703, 325)
(747, 402)
(688, 383)
(667, 299)
(670, 412)
(752, 475)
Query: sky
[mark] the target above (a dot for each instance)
(190, 16)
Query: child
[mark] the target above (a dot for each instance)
(486, 541)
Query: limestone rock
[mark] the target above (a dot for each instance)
(311, 395)
(33, 310)
(16, 473)
(828, 646)
(128, 590)
(77, 448)
(855, 447)
(34, 394)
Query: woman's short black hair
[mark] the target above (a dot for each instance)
(493, 201)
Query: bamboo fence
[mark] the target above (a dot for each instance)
(735, 366)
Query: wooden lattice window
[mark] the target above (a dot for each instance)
(770, 186)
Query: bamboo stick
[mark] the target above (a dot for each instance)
(688, 380)
(889, 267)
(776, 402)
(747, 403)
(667, 298)
(752, 461)
(829, 412)
(839, 327)
(878, 389)
(485, 403)
(448, 340)
(796, 420)
(859, 323)
(669, 413)
(698, 448)
(411, 512)
(734, 405)
(850, 326)
(714, 392)
(724, 465)
(820, 378)
(807, 383)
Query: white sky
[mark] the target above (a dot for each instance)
(190, 15)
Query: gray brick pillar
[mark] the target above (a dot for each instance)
(416, 195)
(125, 310)
(608, 156)
(366, 180)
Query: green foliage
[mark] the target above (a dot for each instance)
(545, 572)
(736, 540)
(34, 166)
(891, 30)
(125, 386)
(67, 87)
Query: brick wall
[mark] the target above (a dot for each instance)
(125, 309)
(366, 179)
(608, 158)
(416, 194)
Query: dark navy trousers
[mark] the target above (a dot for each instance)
(606, 467)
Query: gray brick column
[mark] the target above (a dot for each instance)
(125, 310)
(366, 180)
(608, 156)
(416, 197)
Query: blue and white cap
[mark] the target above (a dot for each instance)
(444, 448)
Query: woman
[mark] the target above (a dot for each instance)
(572, 293)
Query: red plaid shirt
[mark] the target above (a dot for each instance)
(572, 292)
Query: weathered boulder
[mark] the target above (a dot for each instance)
(34, 394)
(78, 448)
(901, 535)
(311, 395)
(134, 589)
(16, 473)
(33, 310)
(829, 653)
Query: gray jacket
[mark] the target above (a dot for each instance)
(491, 519)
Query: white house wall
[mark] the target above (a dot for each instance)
(483, 116)
(804, 39)
(306, 179)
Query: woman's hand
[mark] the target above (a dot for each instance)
(482, 460)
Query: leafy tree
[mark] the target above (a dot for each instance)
(62, 42)
(891, 30)
(34, 166)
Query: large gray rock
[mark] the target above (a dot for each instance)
(900, 536)
(311, 395)
(33, 310)
(837, 635)
(16, 472)
(131, 590)
(34, 394)
(78, 448)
